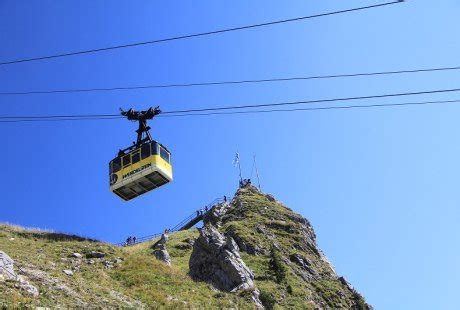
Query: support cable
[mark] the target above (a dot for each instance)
(230, 109)
(234, 82)
(313, 101)
(188, 36)
(383, 105)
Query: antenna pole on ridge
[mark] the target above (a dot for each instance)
(236, 163)
(257, 173)
(239, 167)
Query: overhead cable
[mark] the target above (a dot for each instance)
(383, 105)
(236, 107)
(254, 81)
(194, 35)
(316, 108)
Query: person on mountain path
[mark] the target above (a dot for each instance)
(164, 236)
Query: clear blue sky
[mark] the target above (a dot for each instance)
(380, 186)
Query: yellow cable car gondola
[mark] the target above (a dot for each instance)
(142, 167)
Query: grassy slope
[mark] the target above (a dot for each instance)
(139, 280)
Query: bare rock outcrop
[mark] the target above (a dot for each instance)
(162, 254)
(216, 259)
(7, 273)
(52, 283)
(261, 225)
(27, 287)
(95, 254)
(244, 245)
(160, 251)
(215, 215)
(7, 266)
(305, 264)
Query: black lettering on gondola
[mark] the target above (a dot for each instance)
(136, 170)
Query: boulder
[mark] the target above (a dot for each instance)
(162, 254)
(68, 272)
(159, 250)
(216, 259)
(7, 266)
(30, 289)
(76, 255)
(95, 254)
(118, 260)
(7, 272)
(24, 285)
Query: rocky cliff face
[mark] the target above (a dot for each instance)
(257, 244)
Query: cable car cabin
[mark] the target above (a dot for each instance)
(141, 170)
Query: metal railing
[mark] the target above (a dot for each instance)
(192, 217)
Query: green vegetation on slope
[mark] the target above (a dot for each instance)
(137, 280)
(277, 234)
(277, 244)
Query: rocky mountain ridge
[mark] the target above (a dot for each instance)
(267, 231)
(252, 252)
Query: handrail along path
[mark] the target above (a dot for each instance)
(185, 224)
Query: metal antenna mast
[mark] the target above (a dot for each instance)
(239, 167)
(257, 173)
(236, 162)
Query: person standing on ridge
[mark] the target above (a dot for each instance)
(164, 236)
